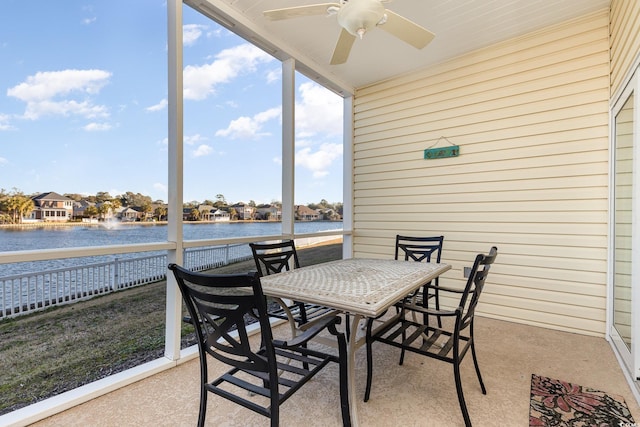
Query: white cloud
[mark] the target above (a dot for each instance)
(4, 122)
(3, 161)
(319, 111)
(217, 32)
(88, 10)
(159, 106)
(193, 139)
(318, 162)
(97, 127)
(200, 80)
(249, 127)
(202, 150)
(48, 84)
(50, 93)
(274, 75)
(191, 33)
(35, 110)
(265, 116)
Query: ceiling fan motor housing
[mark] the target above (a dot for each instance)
(358, 16)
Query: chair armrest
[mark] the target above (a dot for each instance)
(429, 311)
(310, 332)
(448, 289)
(188, 319)
(444, 288)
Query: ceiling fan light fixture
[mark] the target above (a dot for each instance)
(358, 18)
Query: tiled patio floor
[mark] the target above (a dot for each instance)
(419, 393)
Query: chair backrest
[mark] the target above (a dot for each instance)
(271, 258)
(475, 285)
(218, 305)
(419, 248)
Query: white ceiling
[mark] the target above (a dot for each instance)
(460, 26)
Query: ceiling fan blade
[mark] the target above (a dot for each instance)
(343, 48)
(295, 12)
(406, 30)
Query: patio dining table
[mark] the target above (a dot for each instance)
(360, 287)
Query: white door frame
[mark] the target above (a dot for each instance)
(629, 359)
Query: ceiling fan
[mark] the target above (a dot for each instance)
(356, 17)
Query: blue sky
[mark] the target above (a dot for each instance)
(83, 107)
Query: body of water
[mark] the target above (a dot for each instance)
(80, 236)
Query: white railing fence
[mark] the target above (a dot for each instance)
(25, 293)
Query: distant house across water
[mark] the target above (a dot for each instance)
(244, 211)
(211, 213)
(51, 207)
(129, 215)
(269, 212)
(80, 207)
(305, 213)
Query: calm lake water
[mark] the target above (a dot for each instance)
(79, 236)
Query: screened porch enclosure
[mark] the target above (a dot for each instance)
(533, 115)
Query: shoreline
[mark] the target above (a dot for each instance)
(104, 224)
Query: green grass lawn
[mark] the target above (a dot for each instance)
(61, 348)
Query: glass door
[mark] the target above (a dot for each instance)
(625, 232)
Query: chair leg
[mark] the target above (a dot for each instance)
(369, 342)
(343, 375)
(204, 375)
(463, 405)
(425, 304)
(475, 359)
(203, 406)
(347, 325)
(275, 407)
(344, 380)
(426, 298)
(305, 365)
(404, 338)
(437, 297)
(303, 313)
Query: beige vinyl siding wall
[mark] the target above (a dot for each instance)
(531, 119)
(625, 39)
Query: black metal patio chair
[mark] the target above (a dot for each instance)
(271, 258)
(448, 343)
(422, 249)
(262, 376)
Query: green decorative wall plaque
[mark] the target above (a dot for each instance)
(442, 152)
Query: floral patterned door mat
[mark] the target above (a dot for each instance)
(559, 403)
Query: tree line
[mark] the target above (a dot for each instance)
(15, 205)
